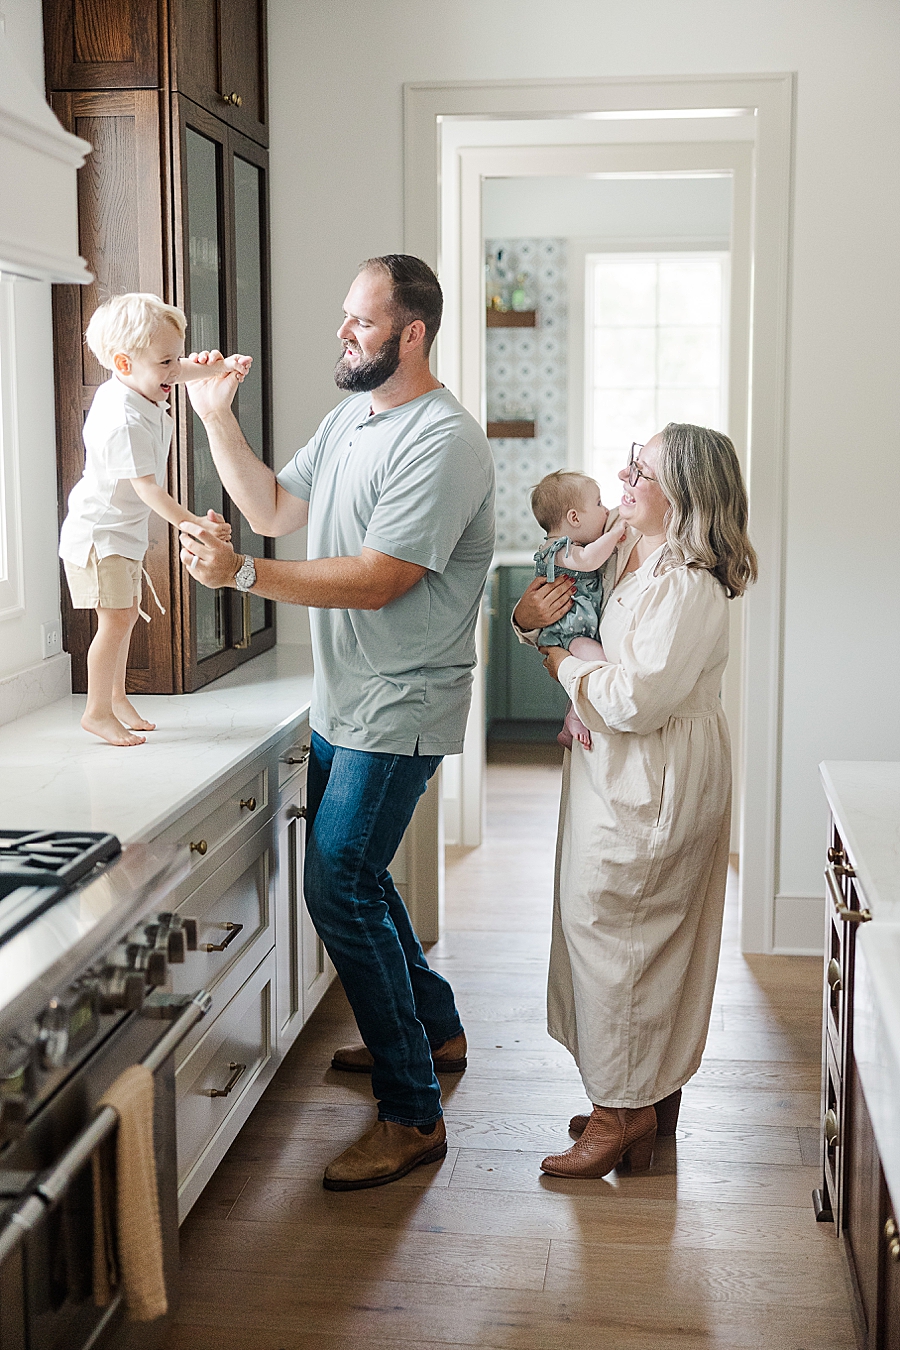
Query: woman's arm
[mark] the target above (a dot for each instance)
(680, 621)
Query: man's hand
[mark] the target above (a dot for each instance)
(209, 559)
(553, 659)
(216, 394)
(543, 603)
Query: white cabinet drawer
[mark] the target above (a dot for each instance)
(221, 1072)
(233, 910)
(235, 810)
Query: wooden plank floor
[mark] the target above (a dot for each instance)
(716, 1246)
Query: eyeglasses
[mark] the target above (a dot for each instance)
(634, 469)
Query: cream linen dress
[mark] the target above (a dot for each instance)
(642, 852)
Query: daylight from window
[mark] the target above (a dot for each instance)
(656, 335)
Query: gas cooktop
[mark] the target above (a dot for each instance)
(39, 866)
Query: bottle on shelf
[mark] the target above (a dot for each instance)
(520, 299)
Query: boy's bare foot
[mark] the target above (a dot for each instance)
(576, 729)
(129, 716)
(110, 729)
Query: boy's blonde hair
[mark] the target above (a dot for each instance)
(558, 493)
(127, 323)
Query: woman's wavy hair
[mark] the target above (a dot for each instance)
(699, 472)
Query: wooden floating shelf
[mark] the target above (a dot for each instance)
(511, 318)
(511, 431)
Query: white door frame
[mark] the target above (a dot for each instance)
(771, 97)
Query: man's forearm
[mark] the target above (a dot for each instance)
(324, 583)
(248, 481)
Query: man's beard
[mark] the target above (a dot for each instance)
(373, 373)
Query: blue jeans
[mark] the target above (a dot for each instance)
(358, 805)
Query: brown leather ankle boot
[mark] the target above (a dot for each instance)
(666, 1117)
(611, 1134)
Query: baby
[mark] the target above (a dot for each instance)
(104, 537)
(568, 507)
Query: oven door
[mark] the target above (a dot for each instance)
(46, 1241)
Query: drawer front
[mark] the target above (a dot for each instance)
(293, 760)
(221, 1069)
(232, 812)
(233, 910)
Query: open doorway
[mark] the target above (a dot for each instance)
(608, 315)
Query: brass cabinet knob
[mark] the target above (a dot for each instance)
(833, 975)
(234, 99)
(892, 1237)
(836, 855)
(200, 847)
(296, 813)
(249, 802)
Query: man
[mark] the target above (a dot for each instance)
(397, 486)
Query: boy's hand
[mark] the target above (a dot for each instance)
(216, 525)
(238, 365)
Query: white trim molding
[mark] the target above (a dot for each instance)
(12, 561)
(768, 101)
(38, 164)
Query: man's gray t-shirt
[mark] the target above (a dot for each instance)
(417, 483)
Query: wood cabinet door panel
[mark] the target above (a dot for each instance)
(219, 60)
(102, 44)
(120, 233)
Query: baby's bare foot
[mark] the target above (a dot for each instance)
(577, 730)
(129, 716)
(565, 738)
(110, 729)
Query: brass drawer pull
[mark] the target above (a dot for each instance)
(236, 1071)
(296, 813)
(234, 99)
(892, 1237)
(831, 1129)
(843, 911)
(233, 929)
(833, 975)
(200, 847)
(301, 758)
(249, 802)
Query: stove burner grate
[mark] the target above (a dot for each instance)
(57, 858)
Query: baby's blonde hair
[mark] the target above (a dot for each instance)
(556, 494)
(128, 323)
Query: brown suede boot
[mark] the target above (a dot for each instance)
(385, 1153)
(666, 1117)
(611, 1134)
(448, 1058)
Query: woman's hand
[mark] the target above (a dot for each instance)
(544, 602)
(553, 659)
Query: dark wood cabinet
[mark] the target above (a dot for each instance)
(172, 200)
(854, 1192)
(218, 53)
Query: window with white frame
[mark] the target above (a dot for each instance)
(656, 334)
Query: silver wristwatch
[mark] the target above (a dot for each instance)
(245, 576)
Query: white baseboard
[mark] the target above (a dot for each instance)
(799, 925)
(35, 687)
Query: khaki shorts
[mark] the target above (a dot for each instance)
(110, 583)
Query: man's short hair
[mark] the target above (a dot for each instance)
(416, 292)
(556, 494)
(127, 323)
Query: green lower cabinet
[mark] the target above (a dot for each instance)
(522, 702)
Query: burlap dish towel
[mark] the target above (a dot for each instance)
(131, 1255)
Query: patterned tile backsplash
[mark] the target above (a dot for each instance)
(526, 368)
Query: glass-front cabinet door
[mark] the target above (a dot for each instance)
(224, 289)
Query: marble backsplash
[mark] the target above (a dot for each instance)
(33, 688)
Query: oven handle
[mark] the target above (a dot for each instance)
(52, 1185)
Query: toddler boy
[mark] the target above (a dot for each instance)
(127, 435)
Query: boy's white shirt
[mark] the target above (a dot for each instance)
(125, 436)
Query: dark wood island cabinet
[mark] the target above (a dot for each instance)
(174, 200)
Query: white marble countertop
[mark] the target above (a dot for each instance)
(864, 796)
(53, 775)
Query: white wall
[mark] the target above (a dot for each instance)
(618, 208)
(337, 178)
(33, 680)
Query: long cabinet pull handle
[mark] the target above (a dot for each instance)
(233, 930)
(832, 1129)
(236, 1071)
(296, 813)
(843, 911)
(835, 984)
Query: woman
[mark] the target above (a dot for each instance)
(642, 854)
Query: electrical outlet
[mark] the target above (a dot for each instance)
(51, 639)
